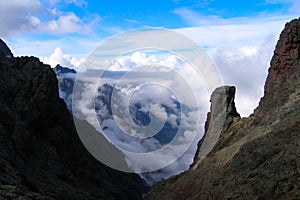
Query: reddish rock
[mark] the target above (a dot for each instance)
(284, 73)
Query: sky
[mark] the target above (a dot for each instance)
(239, 36)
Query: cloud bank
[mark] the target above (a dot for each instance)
(146, 100)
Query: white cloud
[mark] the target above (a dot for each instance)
(245, 67)
(34, 16)
(64, 24)
(15, 15)
(242, 50)
(128, 62)
(235, 31)
(59, 57)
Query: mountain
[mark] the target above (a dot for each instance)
(41, 154)
(256, 157)
(60, 70)
(66, 79)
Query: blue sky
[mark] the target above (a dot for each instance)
(80, 22)
(168, 13)
(239, 36)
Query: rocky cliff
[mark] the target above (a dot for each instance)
(222, 114)
(4, 49)
(256, 157)
(41, 156)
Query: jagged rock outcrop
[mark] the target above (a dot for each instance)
(256, 157)
(41, 154)
(5, 50)
(222, 114)
(284, 76)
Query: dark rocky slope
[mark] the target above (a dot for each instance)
(257, 157)
(5, 50)
(41, 156)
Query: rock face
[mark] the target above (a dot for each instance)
(5, 50)
(41, 155)
(284, 76)
(222, 114)
(256, 157)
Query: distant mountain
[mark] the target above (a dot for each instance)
(256, 157)
(41, 154)
(66, 79)
(60, 70)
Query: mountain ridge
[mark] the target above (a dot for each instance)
(41, 154)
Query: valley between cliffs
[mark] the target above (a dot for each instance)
(257, 157)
